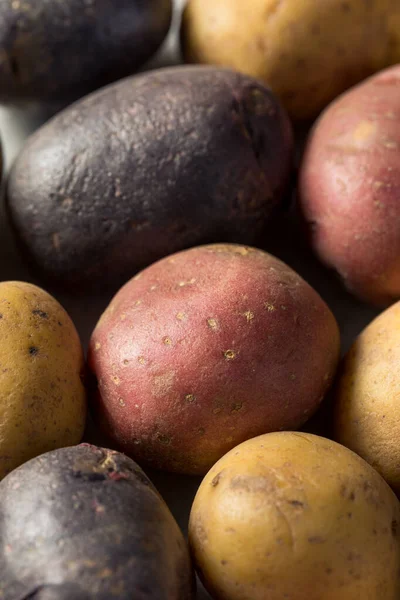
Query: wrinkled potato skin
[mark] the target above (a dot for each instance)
(208, 348)
(186, 156)
(308, 52)
(59, 50)
(350, 185)
(42, 395)
(366, 409)
(290, 515)
(85, 523)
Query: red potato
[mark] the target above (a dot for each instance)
(350, 187)
(207, 348)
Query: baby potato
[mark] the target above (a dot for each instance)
(349, 188)
(367, 396)
(290, 515)
(85, 523)
(57, 51)
(308, 52)
(205, 349)
(83, 197)
(42, 395)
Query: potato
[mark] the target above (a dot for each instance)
(366, 406)
(56, 51)
(307, 51)
(290, 515)
(349, 187)
(205, 349)
(85, 523)
(185, 156)
(42, 395)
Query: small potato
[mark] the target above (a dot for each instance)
(367, 413)
(59, 50)
(207, 348)
(308, 51)
(290, 515)
(85, 523)
(151, 165)
(42, 396)
(350, 185)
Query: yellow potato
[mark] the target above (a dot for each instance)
(294, 515)
(367, 417)
(308, 51)
(42, 396)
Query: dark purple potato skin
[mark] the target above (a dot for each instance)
(59, 50)
(84, 523)
(147, 167)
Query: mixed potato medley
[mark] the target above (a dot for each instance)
(168, 193)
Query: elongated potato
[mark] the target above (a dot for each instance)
(85, 523)
(147, 167)
(207, 348)
(290, 515)
(350, 184)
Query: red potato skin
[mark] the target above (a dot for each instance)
(349, 187)
(205, 349)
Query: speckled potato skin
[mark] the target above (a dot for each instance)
(208, 348)
(185, 156)
(42, 393)
(349, 188)
(308, 52)
(367, 393)
(85, 523)
(297, 516)
(59, 50)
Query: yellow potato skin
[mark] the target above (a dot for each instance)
(367, 396)
(307, 51)
(293, 515)
(42, 396)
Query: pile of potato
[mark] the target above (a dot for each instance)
(168, 194)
